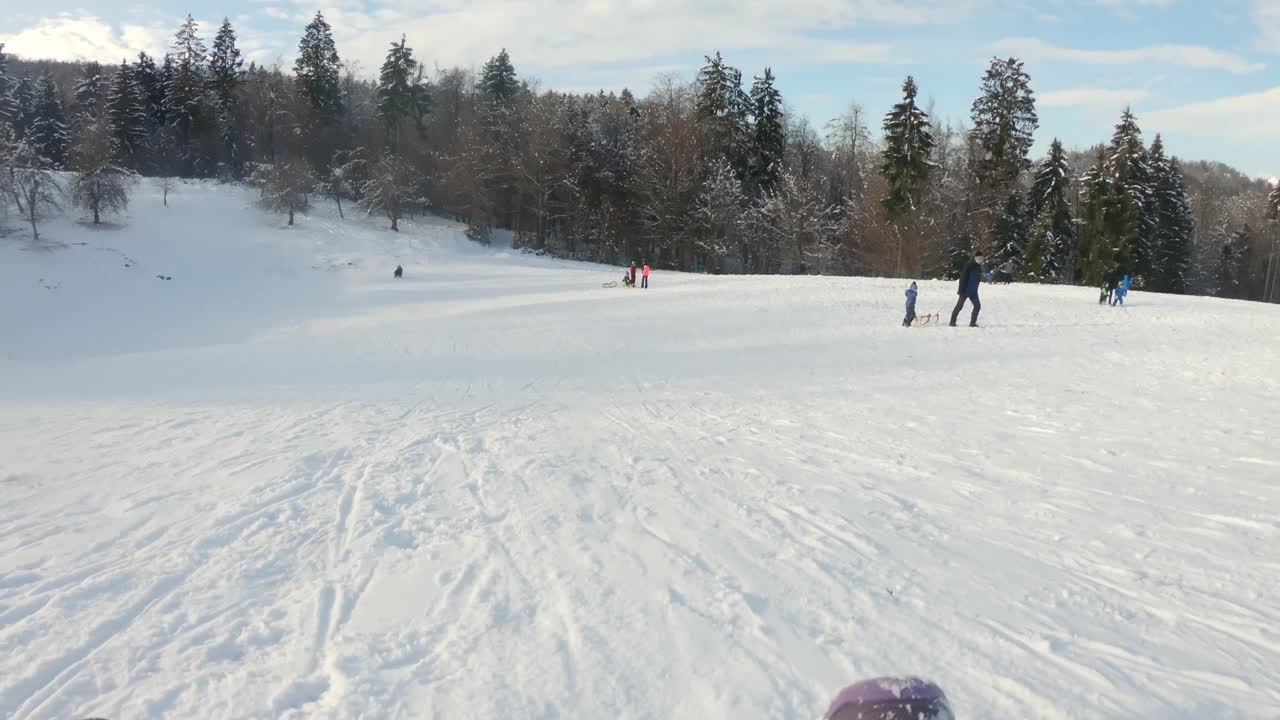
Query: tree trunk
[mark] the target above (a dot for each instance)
(395, 222)
(17, 196)
(290, 217)
(338, 199)
(166, 195)
(96, 219)
(31, 207)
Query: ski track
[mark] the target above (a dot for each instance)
(496, 490)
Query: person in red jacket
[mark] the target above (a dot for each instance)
(644, 280)
(633, 273)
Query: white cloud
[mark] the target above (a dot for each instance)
(1092, 97)
(84, 37)
(1191, 56)
(1266, 14)
(1237, 118)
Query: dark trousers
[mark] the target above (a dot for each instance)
(910, 318)
(644, 281)
(977, 308)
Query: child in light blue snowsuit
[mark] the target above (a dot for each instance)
(912, 292)
(1121, 291)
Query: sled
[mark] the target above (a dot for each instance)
(613, 283)
(927, 319)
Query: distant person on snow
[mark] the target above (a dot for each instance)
(626, 278)
(633, 273)
(912, 292)
(644, 277)
(399, 271)
(1121, 291)
(1110, 282)
(970, 278)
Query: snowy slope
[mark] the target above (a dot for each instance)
(283, 484)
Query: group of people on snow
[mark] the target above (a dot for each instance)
(1115, 286)
(970, 279)
(629, 277)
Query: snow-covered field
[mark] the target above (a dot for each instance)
(283, 484)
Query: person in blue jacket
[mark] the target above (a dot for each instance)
(970, 278)
(912, 292)
(1122, 290)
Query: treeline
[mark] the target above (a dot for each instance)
(711, 175)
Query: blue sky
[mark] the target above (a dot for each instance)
(1205, 74)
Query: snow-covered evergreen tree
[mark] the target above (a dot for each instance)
(186, 82)
(1004, 125)
(1095, 252)
(89, 92)
(722, 110)
(1051, 244)
(48, 133)
(225, 72)
(24, 107)
(151, 84)
(768, 146)
(126, 114)
(907, 154)
(1273, 202)
(226, 66)
(8, 104)
(1009, 238)
(1174, 223)
(498, 80)
(318, 69)
(1131, 219)
(401, 94)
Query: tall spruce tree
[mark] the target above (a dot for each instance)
(24, 107)
(89, 93)
(225, 72)
(907, 154)
(226, 66)
(151, 84)
(1052, 240)
(1004, 124)
(1130, 219)
(127, 115)
(184, 91)
(401, 94)
(768, 146)
(1174, 223)
(498, 80)
(8, 103)
(1096, 255)
(1011, 230)
(318, 69)
(722, 110)
(1273, 202)
(48, 133)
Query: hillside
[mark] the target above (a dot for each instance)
(284, 484)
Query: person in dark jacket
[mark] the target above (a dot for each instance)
(968, 290)
(912, 292)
